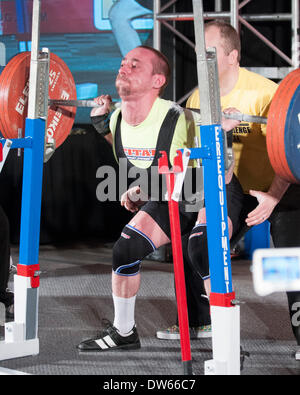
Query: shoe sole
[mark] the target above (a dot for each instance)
(135, 346)
(169, 336)
(166, 336)
(204, 335)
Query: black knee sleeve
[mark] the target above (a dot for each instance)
(129, 250)
(198, 251)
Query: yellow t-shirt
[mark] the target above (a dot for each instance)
(251, 95)
(139, 142)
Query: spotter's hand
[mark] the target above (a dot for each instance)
(266, 205)
(229, 124)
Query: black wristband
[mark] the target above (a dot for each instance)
(101, 124)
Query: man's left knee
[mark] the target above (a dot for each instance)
(129, 250)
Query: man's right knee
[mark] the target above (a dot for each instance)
(129, 250)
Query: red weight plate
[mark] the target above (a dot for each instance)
(274, 132)
(14, 97)
(14, 101)
(2, 83)
(277, 119)
(61, 86)
(2, 128)
(4, 77)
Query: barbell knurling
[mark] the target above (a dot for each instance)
(73, 103)
(246, 118)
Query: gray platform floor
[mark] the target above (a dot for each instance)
(75, 294)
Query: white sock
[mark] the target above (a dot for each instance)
(124, 314)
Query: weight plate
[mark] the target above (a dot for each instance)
(3, 97)
(14, 90)
(292, 135)
(281, 123)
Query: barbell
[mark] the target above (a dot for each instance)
(91, 103)
(283, 122)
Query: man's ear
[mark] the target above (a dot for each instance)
(233, 56)
(159, 80)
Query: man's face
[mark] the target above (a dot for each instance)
(213, 39)
(135, 74)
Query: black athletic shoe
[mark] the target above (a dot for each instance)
(110, 339)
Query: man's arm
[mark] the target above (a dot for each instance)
(133, 198)
(100, 117)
